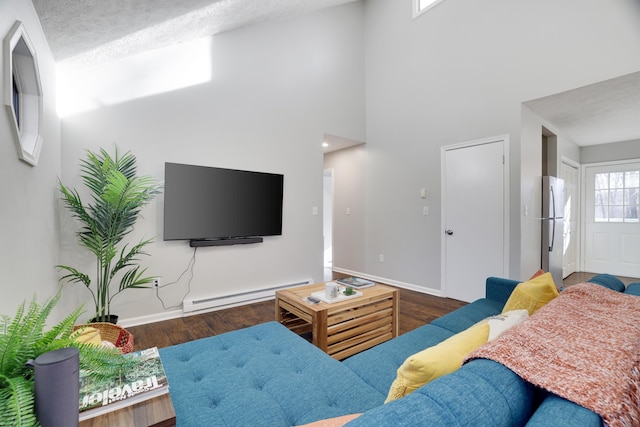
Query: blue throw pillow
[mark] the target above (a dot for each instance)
(608, 281)
(633, 289)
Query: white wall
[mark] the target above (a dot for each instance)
(273, 91)
(610, 152)
(29, 237)
(531, 184)
(460, 72)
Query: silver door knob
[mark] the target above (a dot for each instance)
(449, 232)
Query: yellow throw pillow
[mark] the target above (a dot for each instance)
(436, 361)
(532, 295)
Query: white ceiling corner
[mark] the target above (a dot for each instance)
(600, 113)
(337, 143)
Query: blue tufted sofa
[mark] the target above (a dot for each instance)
(266, 375)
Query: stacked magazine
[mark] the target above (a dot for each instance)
(355, 282)
(144, 381)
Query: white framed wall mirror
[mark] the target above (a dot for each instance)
(23, 93)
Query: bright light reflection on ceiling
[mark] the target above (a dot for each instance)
(137, 76)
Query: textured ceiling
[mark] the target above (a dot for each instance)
(83, 32)
(600, 113)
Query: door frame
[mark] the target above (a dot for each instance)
(328, 227)
(504, 139)
(579, 212)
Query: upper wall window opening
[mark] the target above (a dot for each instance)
(421, 6)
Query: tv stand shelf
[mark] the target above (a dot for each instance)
(225, 242)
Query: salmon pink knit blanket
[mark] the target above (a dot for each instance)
(583, 346)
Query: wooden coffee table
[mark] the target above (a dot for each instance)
(344, 328)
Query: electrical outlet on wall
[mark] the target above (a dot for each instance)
(156, 283)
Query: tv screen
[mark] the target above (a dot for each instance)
(202, 203)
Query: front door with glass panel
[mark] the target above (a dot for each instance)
(612, 229)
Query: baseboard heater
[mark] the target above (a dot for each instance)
(217, 303)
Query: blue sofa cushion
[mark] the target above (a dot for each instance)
(608, 281)
(378, 365)
(262, 375)
(470, 314)
(481, 393)
(499, 289)
(554, 410)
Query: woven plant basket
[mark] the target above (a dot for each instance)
(115, 334)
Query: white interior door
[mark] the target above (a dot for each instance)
(569, 173)
(612, 230)
(474, 217)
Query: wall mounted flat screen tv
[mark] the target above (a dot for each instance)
(213, 204)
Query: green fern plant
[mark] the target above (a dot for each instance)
(23, 338)
(118, 195)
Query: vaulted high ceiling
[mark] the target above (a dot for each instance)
(85, 32)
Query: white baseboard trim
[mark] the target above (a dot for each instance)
(404, 285)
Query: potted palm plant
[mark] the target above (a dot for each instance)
(23, 338)
(117, 197)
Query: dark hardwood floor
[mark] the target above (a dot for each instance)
(416, 309)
